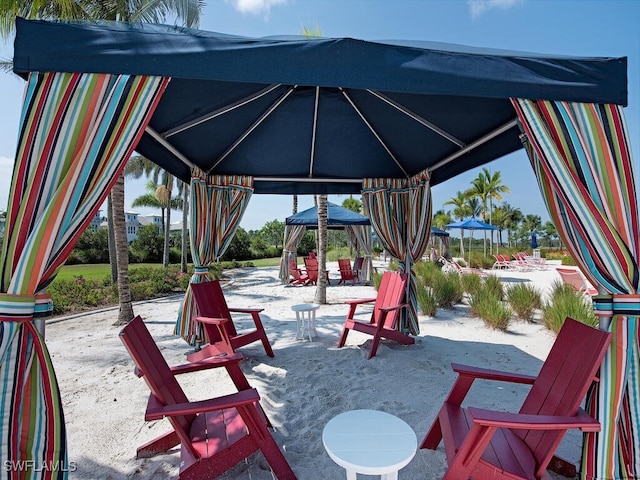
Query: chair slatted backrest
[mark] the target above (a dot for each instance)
(154, 369)
(563, 381)
(293, 269)
(311, 265)
(211, 303)
(391, 292)
(573, 278)
(344, 265)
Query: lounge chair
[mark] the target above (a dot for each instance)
(215, 316)
(386, 313)
(575, 280)
(483, 444)
(214, 434)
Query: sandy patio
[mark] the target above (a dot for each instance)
(302, 388)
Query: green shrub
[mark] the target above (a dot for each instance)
(493, 311)
(377, 280)
(493, 286)
(524, 300)
(427, 272)
(565, 302)
(471, 283)
(426, 301)
(79, 294)
(447, 289)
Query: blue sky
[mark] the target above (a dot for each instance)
(576, 27)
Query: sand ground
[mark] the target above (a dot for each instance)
(302, 388)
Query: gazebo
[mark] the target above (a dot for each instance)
(235, 116)
(358, 228)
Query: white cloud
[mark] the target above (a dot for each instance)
(6, 171)
(256, 7)
(478, 7)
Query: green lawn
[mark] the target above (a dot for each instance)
(99, 271)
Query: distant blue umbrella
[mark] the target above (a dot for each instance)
(534, 240)
(471, 224)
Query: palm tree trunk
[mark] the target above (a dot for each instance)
(295, 204)
(321, 289)
(113, 262)
(167, 230)
(125, 315)
(185, 229)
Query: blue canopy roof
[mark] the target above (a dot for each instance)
(338, 217)
(314, 116)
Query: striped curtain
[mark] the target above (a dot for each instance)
(292, 236)
(581, 156)
(76, 133)
(217, 205)
(361, 234)
(400, 214)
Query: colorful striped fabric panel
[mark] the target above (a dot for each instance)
(581, 156)
(217, 205)
(76, 133)
(292, 236)
(400, 214)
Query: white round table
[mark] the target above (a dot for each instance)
(306, 311)
(369, 442)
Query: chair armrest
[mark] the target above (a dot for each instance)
(360, 301)
(156, 411)
(211, 362)
(393, 307)
(211, 320)
(492, 418)
(489, 374)
(246, 310)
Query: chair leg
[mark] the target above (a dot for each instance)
(433, 437)
(374, 347)
(343, 337)
(160, 444)
(267, 346)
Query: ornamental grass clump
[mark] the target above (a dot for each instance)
(493, 286)
(487, 305)
(447, 289)
(524, 300)
(427, 272)
(471, 284)
(426, 301)
(565, 302)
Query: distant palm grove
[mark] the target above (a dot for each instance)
(484, 200)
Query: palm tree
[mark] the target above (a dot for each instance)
(126, 10)
(149, 199)
(480, 190)
(441, 219)
(461, 211)
(495, 189)
(321, 289)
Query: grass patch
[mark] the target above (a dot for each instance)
(565, 302)
(447, 289)
(471, 283)
(524, 300)
(426, 301)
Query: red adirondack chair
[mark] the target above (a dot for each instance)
(300, 276)
(214, 434)
(311, 266)
(385, 315)
(483, 444)
(219, 328)
(346, 272)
